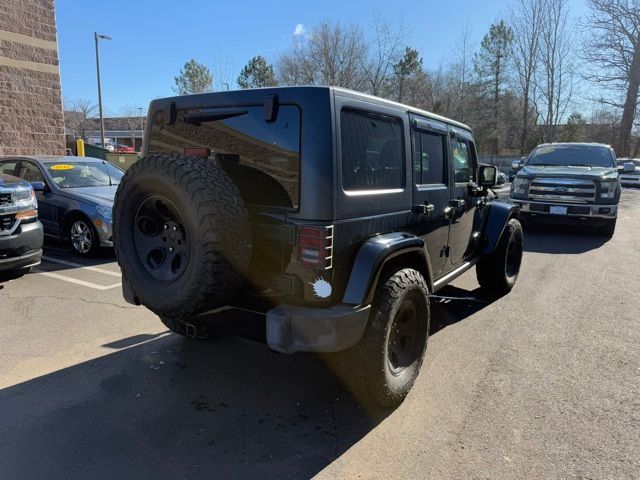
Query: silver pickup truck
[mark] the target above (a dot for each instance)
(20, 231)
(569, 183)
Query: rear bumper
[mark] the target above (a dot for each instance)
(297, 329)
(541, 209)
(23, 248)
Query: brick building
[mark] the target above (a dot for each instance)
(31, 119)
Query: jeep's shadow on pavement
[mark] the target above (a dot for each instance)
(171, 407)
(452, 305)
(559, 239)
(174, 408)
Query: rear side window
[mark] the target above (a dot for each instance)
(262, 157)
(8, 168)
(429, 158)
(372, 151)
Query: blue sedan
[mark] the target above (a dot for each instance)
(75, 197)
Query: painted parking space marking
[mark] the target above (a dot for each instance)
(76, 281)
(84, 267)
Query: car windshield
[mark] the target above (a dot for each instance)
(84, 174)
(571, 156)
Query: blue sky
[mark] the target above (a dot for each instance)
(153, 39)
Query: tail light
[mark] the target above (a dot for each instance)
(315, 246)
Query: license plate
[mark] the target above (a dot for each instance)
(556, 210)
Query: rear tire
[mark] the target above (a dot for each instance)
(182, 236)
(391, 351)
(497, 273)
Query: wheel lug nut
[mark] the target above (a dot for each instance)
(171, 249)
(166, 227)
(175, 229)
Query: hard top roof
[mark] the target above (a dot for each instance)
(200, 98)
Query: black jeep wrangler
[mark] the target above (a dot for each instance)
(330, 213)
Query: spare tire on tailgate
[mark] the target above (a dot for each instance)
(182, 234)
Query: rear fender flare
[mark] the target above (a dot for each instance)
(371, 259)
(498, 215)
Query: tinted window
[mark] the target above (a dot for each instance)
(372, 151)
(572, 155)
(8, 168)
(429, 158)
(30, 172)
(462, 162)
(251, 150)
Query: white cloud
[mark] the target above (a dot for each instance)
(299, 30)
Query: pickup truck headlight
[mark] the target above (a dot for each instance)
(105, 212)
(519, 187)
(25, 199)
(608, 189)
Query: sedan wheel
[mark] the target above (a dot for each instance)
(82, 237)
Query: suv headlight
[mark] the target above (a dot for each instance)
(519, 187)
(608, 189)
(105, 212)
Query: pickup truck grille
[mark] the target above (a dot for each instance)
(6, 222)
(565, 190)
(5, 199)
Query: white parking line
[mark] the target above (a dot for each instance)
(84, 267)
(77, 282)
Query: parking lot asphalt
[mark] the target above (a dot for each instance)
(542, 383)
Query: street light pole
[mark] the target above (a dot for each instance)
(105, 37)
(141, 128)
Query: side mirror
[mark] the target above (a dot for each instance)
(515, 164)
(39, 186)
(487, 175)
(629, 167)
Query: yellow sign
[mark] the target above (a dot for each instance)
(61, 167)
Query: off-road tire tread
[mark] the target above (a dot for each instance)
(208, 190)
(490, 270)
(372, 357)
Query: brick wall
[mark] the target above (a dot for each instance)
(31, 119)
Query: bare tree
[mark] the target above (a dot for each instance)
(612, 51)
(385, 50)
(79, 118)
(130, 118)
(461, 70)
(330, 54)
(525, 19)
(555, 56)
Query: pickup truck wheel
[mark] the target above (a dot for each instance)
(391, 351)
(497, 273)
(182, 235)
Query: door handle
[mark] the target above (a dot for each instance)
(426, 208)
